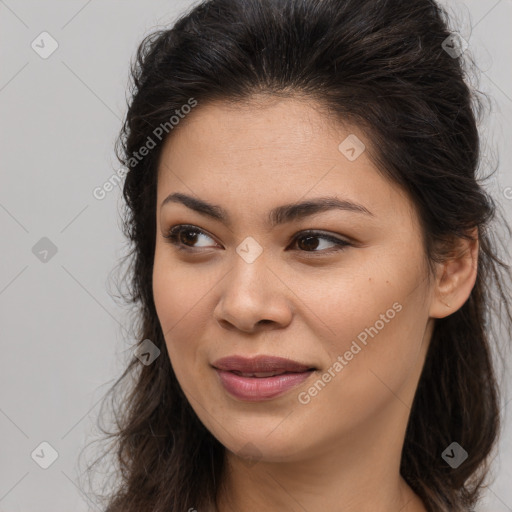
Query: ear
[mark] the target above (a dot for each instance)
(455, 277)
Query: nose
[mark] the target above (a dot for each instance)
(253, 298)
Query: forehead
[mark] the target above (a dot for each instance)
(272, 152)
(254, 130)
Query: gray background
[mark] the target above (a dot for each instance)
(62, 335)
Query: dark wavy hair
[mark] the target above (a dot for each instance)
(382, 65)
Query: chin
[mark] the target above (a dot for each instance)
(261, 441)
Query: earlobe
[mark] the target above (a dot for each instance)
(456, 277)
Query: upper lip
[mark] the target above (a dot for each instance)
(261, 363)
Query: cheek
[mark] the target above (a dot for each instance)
(175, 294)
(374, 321)
(182, 296)
(369, 364)
(179, 290)
(343, 308)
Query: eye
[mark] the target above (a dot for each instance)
(310, 238)
(184, 236)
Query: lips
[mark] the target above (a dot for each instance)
(260, 378)
(260, 366)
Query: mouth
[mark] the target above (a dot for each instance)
(260, 375)
(261, 366)
(260, 378)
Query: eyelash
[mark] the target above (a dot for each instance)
(173, 233)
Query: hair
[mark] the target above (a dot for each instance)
(381, 65)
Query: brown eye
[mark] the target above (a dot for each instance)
(309, 242)
(184, 236)
(187, 236)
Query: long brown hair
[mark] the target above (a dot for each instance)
(383, 65)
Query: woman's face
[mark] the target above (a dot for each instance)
(357, 312)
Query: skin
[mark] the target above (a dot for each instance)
(341, 451)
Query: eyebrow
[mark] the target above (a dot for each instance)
(279, 215)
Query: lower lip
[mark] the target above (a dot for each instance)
(254, 389)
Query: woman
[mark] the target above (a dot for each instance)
(312, 264)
